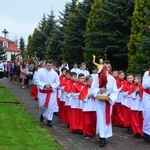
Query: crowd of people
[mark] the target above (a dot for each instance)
(90, 103)
(19, 71)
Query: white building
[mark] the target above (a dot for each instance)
(11, 48)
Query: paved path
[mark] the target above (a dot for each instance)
(71, 141)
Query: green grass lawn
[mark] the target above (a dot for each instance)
(6, 96)
(19, 130)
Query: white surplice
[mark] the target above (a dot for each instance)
(95, 83)
(137, 102)
(85, 72)
(89, 102)
(102, 128)
(146, 103)
(43, 77)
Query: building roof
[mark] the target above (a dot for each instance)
(12, 46)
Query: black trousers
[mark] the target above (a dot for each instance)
(1, 75)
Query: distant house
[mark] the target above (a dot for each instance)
(11, 48)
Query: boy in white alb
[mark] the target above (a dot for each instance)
(117, 113)
(89, 108)
(94, 75)
(146, 106)
(47, 81)
(75, 69)
(83, 69)
(104, 108)
(136, 107)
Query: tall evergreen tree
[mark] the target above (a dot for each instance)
(28, 51)
(139, 39)
(22, 46)
(42, 23)
(2, 54)
(36, 45)
(54, 50)
(49, 30)
(76, 25)
(40, 37)
(63, 21)
(36, 41)
(144, 54)
(108, 30)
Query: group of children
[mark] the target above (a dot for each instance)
(127, 110)
(77, 103)
(80, 110)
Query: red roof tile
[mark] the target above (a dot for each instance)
(12, 46)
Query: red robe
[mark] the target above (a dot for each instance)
(70, 87)
(75, 119)
(128, 87)
(62, 80)
(103, 82)
(117, 112)
(137, 116)
(88, 117)
(34, 91)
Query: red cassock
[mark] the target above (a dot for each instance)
(76, 114)
(34, 91)
(128, 87)
(69, 88)
(117, 112)
(88, 117)
(137, 116)
(62, 80)
(80, 87)
(103, 82)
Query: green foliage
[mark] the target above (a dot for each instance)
(138, 44)
(22, 46)
(38, 42)
(6, 96)
(108, 30)
(54, 50)
(28, 51)
(2, 54)
(144, 55)
(63, 20)
(19, 130)
(50, 28)
(74, 41)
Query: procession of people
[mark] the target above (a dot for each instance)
(88, 104)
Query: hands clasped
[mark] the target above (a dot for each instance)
(47, 86)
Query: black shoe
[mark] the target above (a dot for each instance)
(129, 130)
(138, 135)
(146, 138)
(56, 113)
(68, 126)
(41, 118)
(103, 142)
(49, 123)
(80, 132)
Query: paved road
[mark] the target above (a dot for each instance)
(71, 141)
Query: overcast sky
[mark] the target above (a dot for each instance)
(20, 17)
